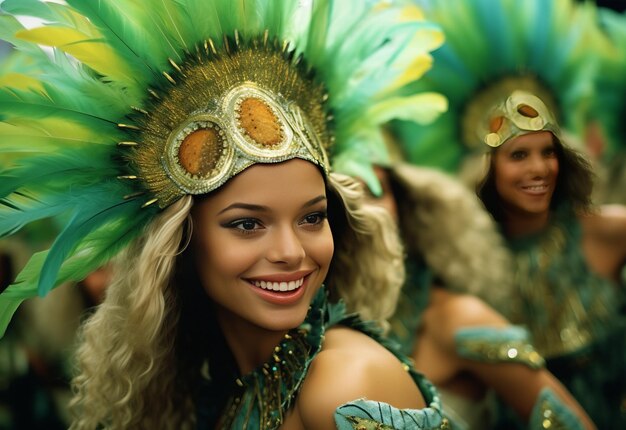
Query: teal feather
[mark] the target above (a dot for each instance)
(95, 250)
(79, 166)
(24, 208)
(440, 130)
(8, 306)
(45, 200)
(101, 208)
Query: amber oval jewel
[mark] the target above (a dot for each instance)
(199, 152)
(259, 122)
(527, 111)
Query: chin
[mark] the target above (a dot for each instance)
(284, 320)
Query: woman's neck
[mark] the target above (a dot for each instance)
(250, 345)
(519, 225)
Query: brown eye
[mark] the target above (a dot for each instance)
(199, 152)
(527, 111)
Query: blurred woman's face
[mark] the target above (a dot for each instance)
(525, 172)
(263, 244)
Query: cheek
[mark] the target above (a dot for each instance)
(504, 172)
(321, 249)
(554, 167)
(222, 256)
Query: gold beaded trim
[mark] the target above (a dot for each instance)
(505, 351)
(222, 111)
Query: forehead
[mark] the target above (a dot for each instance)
(278, 183)
(530, 140)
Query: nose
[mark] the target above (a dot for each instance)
(286, 247)
(539, 166)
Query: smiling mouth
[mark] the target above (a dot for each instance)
(536, 188)
(279, 286)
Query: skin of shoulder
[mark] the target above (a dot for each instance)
(352, 366)
(604, 240)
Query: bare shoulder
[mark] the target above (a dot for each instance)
(448, 312)
(606, 228)
(352, 366)
(604, 240)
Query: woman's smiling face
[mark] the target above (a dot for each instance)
(525, 171)
(263, 244)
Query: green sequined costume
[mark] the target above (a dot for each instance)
(575, 317)
(261, 399)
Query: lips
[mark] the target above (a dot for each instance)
(536, 189)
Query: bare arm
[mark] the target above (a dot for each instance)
(604, 241)
(517, 384)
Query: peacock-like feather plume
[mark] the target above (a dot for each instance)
(610, 102)
(63, 114)
(545, 46)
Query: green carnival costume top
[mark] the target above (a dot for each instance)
(260, 399)
(576, 318)
(142, 102)
(547, 47)
(565, 306)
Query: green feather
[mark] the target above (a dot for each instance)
(487, 41)
(49, 12)
(123, 24)
(102, 208)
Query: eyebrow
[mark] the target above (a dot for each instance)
(261, 208)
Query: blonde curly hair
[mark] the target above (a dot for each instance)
(136, 370)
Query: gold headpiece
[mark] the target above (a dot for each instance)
(519, 114)
(227, 112)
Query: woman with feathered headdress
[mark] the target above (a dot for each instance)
(194, 137)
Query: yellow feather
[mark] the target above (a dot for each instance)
(411, 13)
(416, 68)
(50, 127)
(20, 82)
(422, 108)
(93, 53)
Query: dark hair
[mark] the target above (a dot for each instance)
(574, 183)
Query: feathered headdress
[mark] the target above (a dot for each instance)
(545, 47)
(610, 102)
(517, 114)
(143, 101)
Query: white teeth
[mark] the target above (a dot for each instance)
(279, 286)
(536, 187)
